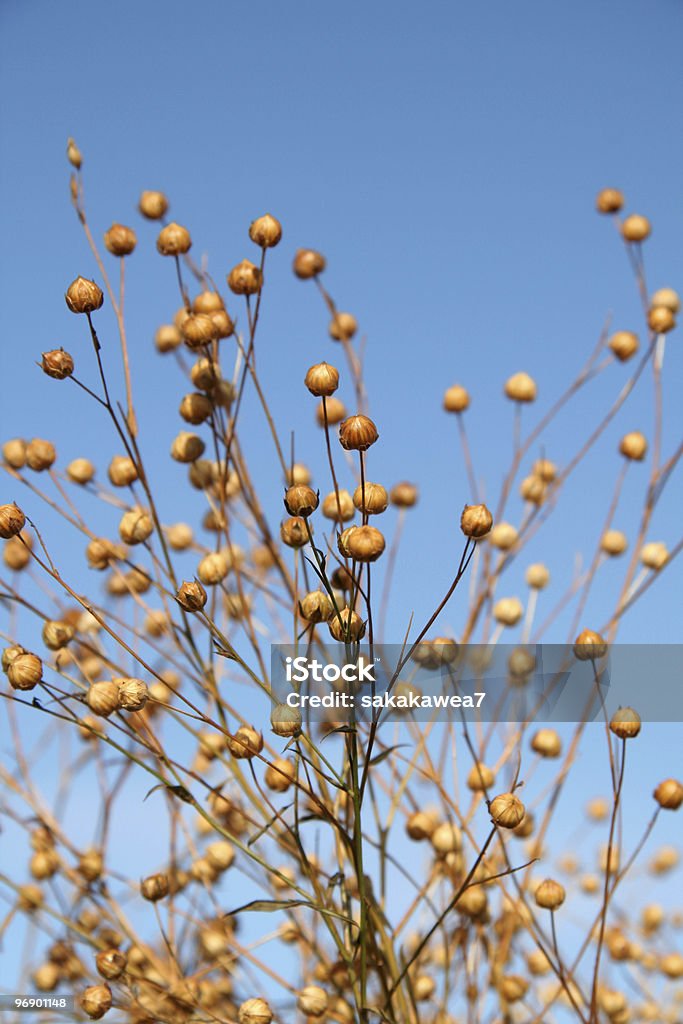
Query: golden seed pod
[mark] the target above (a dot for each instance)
(222, 323)
(191, 596)
(220, 855)
(668, 298)
(480, 778)
(613, 542)
(365, 543)
(347, 624)
(633, 446)
(205, 374)
(245, 279)
(247, 742)
(654, 555)
(473, 901)
(44, 864)
(266, 231)
(547, 743)
(533, 489)
(293, 532)
(122, 471)
(371, 499)
(336, 411)
(421, 825)
(155, 887)
(298, 473)
(609, 200)
(111, 963)
(96, 1001)
(545, 470)
(507, 810)
(301, 500)
(456, 399)
(195, 408)
(589, 646)
(669, 794)
(213, 568)
(312, 1000)
(308, 263)
(403, 495)
(133, 694)
(179, 536)
(316, 607)
(660, 319)
(285, 721)
(424, 987)
(357, 433)
(73, 154)
(635, 228)
(503, 536)
(174, 240)
(12, 521)
(198, 329)
(672, 965)
(153, 205)
(101, 552)
(476, 521)
(208, 302)
(57, 634)
(80, 471)
(46, 977)
(625, 723)
(338, 506)
(513, 987)
(520, 387)
(103, 698)
(550, 894)
(57, 364)
(538, 963)
(135, 526)
(17, 552)
(624, 344)
(254, 1011)
(187, 447)
(342, 327)
(508, 611)
(167, 338)
(24, 671)
(322, 379)
(40, 454)
(14, 452)
(446, 838)
(120, 240)
(83, 296)
(279, 775)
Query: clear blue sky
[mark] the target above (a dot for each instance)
(445, 158)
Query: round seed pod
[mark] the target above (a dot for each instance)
(520, 387)
(403, 495)
(57, 634)
(195, 408)
(57, 364)
(96, 1001)
(205, 374)
(672, 965)
(421, 825)
(122, 471)
(198, 329)
(167, 338)
(12, 521)
(46, 977)
(669, 794)
(547, 743)
(473, 901)
(508, 611)
(73, 154)
(338, 506)
(625, 723)
(301, 500)
(245, 279)
(351, 625)
(111, 963)
(633, 446)
(135, 526)
(220, 855)
(342, 327)
(155, 887)
(83, 296)
(635, 228)
(14, 452)
(293, 532)
(613, 542)
(153, 205)
(507, 810)
(265, 231)
(365, 544)
(298, 473)
(609, 200)
(80, 471)
(312, 1000)
(503, 536)
(550, 894)
(660, 319)
(191, 596)
(372, 500)
(44, 864)
(17, 552)
(316, 607)
(322, 379)
(336, 411)
(513, 987)
(247, 742)
(279, 775)
(24, 671)
(476, 521)
(668, 298)
(456, 399)
(285, 721)
(480, 778)
(213, 568)
(173, 240)
(207, 302)
(133, 694)
(654, 555)
(308, 263)
(40, 455)
(120, 240)
(254, 1011)
(424, 987)
(545, 470)
(533, 489)
(589, 646)
(101, 552)
(180, 536)
(103, 698)
(187, 447)
(446, 838)
(357, 433)
(624, 344)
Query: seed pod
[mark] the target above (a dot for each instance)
(508, 611)
(365, 543)
(635, 228)
(503, 536)
(73, 154)
(480, 778)
(476, 521)
(312, 1000)
(103, 698)
(266, 231)
(589, 646)
(336, 411)
(198, 329)
(120, 240)
(293, 532)
(46, 977)
(609, 200)
(668, 298)
(446, 838)
(633, 446)
(308, 263)
(245, 279)
(40, 455)
(547, 743)
(180, 536)
(111, 963)
(96, 1001)
(342, 327)
(550, 894)
(456, 399)
(101, 552)
(285, 721)
(247, 742)
(624, 344)
(57, 634)
(84, 296)
(371, 499)
(254, 1011)
(122, 471)
(537, 576)
(213, 568)
(351, 625)
(24, 671)
(173, 240)
(279, 775)
(424, 987)
(613, 542)
(660, 319)
(513, 987)
(191, 596)
(207, 302)
(155, 887)
(195, 408)
(205, 374)
(222, 323)
(80, 471)
(357, 433)
(44, 864)
(533, 489)
(153, 205)
(135, 526)
(57, 364)
(187, 447)
(521, 663)
(669, 794)
(625, 723)
(298, 473)
(338, 506)
(421, 825)
(14, 452)
(220, 855)
(17, 552)
(507, 810)
(520, 387)
(322, 379)
(473, 901)
(654, 555)
(316, 607)
(12, 521)
(167, 338)
(133, 694)
(301, 500)
(403, 495)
